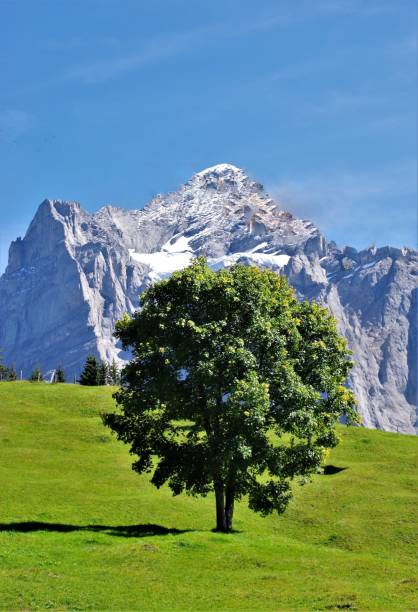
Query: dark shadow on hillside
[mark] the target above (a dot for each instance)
(214, 530)
(126, 531)
(333, 469)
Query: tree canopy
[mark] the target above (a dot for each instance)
(36, 375)
(6, 373)
(96, 372)
(59, 376)
(90, 374)
(234, 386)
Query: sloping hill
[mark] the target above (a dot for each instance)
(80, 530)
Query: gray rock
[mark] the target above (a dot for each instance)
(74, 274)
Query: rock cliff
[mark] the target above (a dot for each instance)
(74, 274)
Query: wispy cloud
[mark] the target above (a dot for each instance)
(339, 101)
(364, 8)
(171, 45)
(151, 51)
(354, 202)
(159, 48)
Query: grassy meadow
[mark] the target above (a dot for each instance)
(79, 530)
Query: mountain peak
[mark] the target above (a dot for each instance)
(74, 274)
(220, 169)
(224, 178)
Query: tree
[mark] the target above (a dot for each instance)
(90, 373)
(114, 374)
(59, 375)
(4, 371)
(103, 374)
(234, 387)
(36, 375)
(12, 376)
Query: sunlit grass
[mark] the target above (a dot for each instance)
(80, 530)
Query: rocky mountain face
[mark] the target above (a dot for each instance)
(74, 274)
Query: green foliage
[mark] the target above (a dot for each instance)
(3, 369)
(36, 375)
(90, 374)
(59, 375)
(113, 374)
(91, 534)
(234, 386)
(12, 376)
(99, 373)
(6, 373)
(103, 374)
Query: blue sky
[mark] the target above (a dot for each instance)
(115, 100)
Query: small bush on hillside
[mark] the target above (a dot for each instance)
(59, 375)
(36, 375)
(6, 373)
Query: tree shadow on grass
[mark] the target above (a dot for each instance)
(332, 469)
(231, 532)
(126, 531)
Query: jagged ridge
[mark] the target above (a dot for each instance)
(74, 274)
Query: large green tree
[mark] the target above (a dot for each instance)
(234, 386)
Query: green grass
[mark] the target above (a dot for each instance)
(347, 540)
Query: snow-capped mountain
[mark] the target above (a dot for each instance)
(74, 274)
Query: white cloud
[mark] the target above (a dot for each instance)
(364, 203)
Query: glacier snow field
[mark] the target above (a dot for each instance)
(80, 530)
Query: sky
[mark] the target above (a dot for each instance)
(113, 101)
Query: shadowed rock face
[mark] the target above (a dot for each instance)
(74, 274)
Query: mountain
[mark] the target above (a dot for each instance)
(74, 274)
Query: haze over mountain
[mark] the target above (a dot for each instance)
(74, 274)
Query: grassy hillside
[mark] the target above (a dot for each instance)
(80, 530)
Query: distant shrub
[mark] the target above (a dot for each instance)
(36, 375)
(12, 374)
(59, 376)
(6, 373)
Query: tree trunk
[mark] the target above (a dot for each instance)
(224, 507)
(220, 508)
(229, 507)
